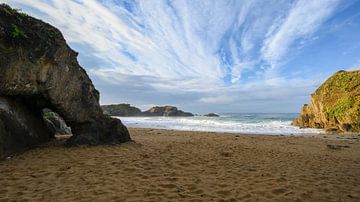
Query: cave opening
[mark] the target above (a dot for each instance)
(55, 123)
(44, 110)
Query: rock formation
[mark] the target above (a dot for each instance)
(55, 123)
(212, 115)
(128, 110)
(335, 105)
(121, 110)
(166, 111)
(41, 71)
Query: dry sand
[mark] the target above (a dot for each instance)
(187, 166)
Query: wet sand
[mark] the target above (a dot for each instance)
(163, 165)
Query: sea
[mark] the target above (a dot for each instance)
(245, 123)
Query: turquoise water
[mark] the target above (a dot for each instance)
(249, 123)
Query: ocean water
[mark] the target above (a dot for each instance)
(271, 124)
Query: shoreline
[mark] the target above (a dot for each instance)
(323, 135)
(237, 123)
(162, 165)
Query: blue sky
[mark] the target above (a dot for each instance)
(210, 55)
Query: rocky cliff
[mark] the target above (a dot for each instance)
(40, 70)
(335, 105)
(121, 110)
(166, 111)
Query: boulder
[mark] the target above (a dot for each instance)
(335, 105)
(121, 110)
(212, 115)
(40, 69)
(166, 111)
(55, 123)
(21, 127)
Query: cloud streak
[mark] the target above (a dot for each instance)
(304, 18)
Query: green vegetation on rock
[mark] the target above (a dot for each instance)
(16, 32)
(339, 99)
(13, 12)
(341, 108)
(8, 10)
(50, 114)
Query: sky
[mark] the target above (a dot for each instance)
(260, 56)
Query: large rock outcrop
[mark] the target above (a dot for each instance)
(335, 105)
(166, 111)
(121, 110)
(39, 69)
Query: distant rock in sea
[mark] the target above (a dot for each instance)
(121, 110)
(39, 70)
(335, 105)
(166, 111)
(128, 110)
(212, 115)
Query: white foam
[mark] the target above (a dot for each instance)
(221, 124)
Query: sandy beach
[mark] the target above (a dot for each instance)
(164, 165)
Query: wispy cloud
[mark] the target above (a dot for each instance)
(209, 51)
(304, 18)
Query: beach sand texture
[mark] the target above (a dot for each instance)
(164, 165)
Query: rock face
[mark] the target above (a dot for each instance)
(166, 111)
(212, 115)
(39, 68)
(121, 110)
(335, 105)
(20, 127)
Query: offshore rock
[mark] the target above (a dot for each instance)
(211, 115)
(121, 110)
(166, 111)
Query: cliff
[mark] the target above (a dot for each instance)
(335, 105)
(41, 71)
(121, 110)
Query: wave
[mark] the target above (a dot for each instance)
(248, 124)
